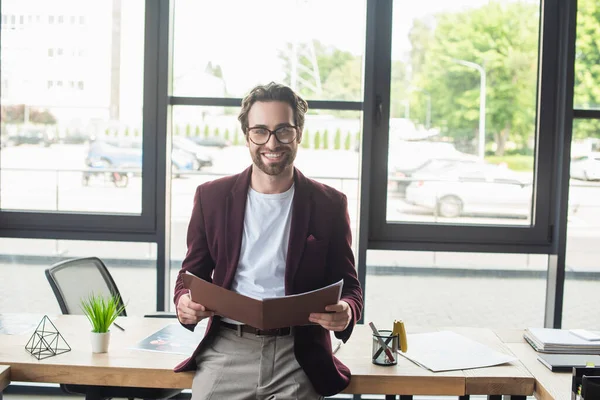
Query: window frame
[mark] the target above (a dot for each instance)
(534, 238)
(104, 226)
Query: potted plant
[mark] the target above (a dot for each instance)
(101, 312)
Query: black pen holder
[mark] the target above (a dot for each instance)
(385, 348)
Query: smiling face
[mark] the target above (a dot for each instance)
(273, 158)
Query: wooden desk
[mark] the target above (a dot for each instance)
(548, 385)
(124, 367)
(4, 378)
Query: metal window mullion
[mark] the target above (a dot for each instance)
(236, 102)
(563, 37)
(157, 115)
(586, 114)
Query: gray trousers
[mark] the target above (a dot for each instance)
(250, 367)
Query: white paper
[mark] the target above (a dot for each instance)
(449, 351)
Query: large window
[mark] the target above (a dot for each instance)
(72, 107)
(582, 270)
(456, 289)
(462, 112)
(25, 289)
(465, 146)
(293, 42)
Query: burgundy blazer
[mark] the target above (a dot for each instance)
(319, 253)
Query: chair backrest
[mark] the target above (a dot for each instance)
(72, 280)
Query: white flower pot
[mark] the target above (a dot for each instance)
(100, 342)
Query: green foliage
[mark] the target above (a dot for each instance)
(177, 130)
(305, 139)
(197, 131)
(216, 132)
(226, 135)
(587, 65)
(206, 131)
(326, 139)
(503, 39)
(317, 142)
(188, 130)
(126, 133)
(337, 140)
(236, 138)
(136, 132)
(514, 162)
(107, 132)
(348, 141)
(101, 311)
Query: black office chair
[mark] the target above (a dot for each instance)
(74, 279)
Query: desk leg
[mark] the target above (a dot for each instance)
(390, 397)
(465, 397)
(507, 397)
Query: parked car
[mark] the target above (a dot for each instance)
(31, 135)
(586, 167)
(201, 154)
(407, 158)
(125, 156)
(472, 188)
(210, 141)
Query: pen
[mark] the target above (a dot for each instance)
(381, 342)
(119, 326)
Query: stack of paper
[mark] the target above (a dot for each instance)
(559, 341)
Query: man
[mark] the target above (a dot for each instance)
(269, 231)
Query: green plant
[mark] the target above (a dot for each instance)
(347, 141)
(337, 140)
(101, 311)
(306, 139)
(317, 140)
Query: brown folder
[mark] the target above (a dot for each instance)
(268, 313)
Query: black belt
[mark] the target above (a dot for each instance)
(241, 329)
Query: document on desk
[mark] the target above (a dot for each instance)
(268, 313)
(173, 338)
(449, 351)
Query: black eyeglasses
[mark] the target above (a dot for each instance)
(284, 134)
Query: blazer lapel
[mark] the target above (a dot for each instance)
(298, 229)
(234, 216)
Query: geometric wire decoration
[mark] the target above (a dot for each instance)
(46, 341)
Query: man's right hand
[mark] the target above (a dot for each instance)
(189, 312)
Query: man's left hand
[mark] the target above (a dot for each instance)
(337, 319)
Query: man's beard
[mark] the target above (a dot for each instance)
(277, 168)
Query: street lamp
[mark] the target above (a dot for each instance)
(481, 143)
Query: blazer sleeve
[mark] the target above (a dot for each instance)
(198, 260)
(341, 262)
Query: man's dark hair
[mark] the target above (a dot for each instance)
(274, 92)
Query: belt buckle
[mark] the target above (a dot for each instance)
(258, 333)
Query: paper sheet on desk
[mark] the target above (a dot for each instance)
(268, 313)
(173, 338)
(449, 351)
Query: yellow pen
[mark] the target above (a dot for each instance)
(401, 332)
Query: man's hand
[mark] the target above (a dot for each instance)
(189, 312)
(337, 320)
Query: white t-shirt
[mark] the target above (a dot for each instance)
(261, 267)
